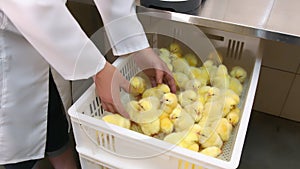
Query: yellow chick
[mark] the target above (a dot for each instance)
(187, 97)
(191, 59)
(234, 116)
(136, 127)
(221, 78)
(137, 85)
(164, 88)
(212, 151)
(170, 67)
(232, 94)
(169, 102)
(153, 92)
(187, 139)
(200, 74)
(165, 55)
(209, 137)
(174, 56)
(239, 73)
(211, 114)
(180, 65)
(118, 120)
(145, 110)
(224, 129)
(229, 100)
(180, 79)
(166, 125)
(195, 110)
(208, 92)
(236, 86)
(193, 84)
(151, 128)
(175, 48)
(181, 119)
(216, 57)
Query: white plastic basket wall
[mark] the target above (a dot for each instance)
(122, 148)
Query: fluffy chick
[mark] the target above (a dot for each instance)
(157, 91)
(212, 151)
(118, 120)
(164, 54)
(193, 84)
(151, 128)
(221, 77)
(137, 85)
(145, 110)
(200, 74)
(234, 116)
(166, 125)
(224, 129)
(192, 59)
(169, 102)
(187, 139)
(209, 137)
(195, 110)
(208, 92)
(180, 79)
(187, 97)
(236, 86)
(239, 73)
(175, 48)
(181, 65)
(181, 119)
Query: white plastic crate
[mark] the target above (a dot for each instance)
(122, 148)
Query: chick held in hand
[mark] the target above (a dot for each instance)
(118, 120)
(157, 91)
(137, 85)
(224, 129)
(239, 73)
(181, 119)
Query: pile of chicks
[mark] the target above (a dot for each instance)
(200, 116)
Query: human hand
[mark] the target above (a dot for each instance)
(108, 83)
(154, 68)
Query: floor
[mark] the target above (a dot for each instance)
(271, 143)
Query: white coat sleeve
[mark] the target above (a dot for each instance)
(124, 31)
(51, 29)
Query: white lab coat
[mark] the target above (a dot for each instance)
(36, 34)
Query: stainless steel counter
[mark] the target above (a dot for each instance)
(277, 20)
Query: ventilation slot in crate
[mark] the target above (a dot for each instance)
(234, 49)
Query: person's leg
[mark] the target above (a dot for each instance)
(58, 149)
(63, 160)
